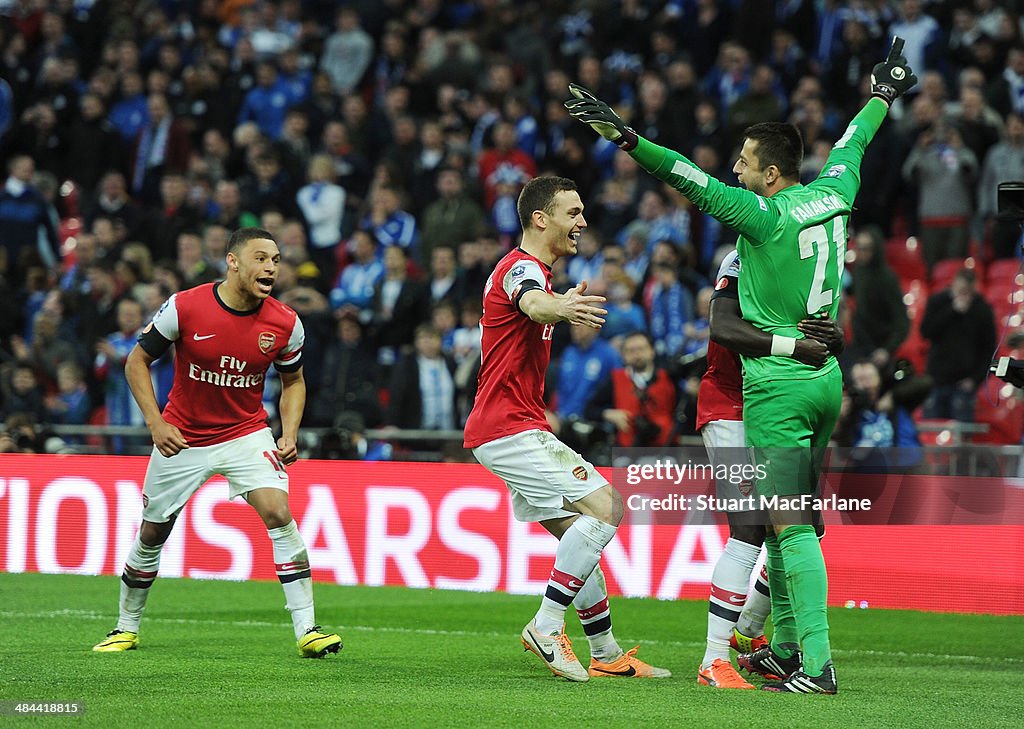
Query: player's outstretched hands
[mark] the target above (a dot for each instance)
(589, 109)
(287, 451)
(892, 78)
(578, 308)
(168, 439)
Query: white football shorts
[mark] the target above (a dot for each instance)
(248, 463)
(541, 472)
(726, 443)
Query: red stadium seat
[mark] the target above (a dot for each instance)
(944, 271)
(915, 347)
(1003, 271)
(998, 407)
(905, 259)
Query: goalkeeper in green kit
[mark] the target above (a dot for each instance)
(793, 245)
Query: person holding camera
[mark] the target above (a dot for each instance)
(638, 400)
(876, 413)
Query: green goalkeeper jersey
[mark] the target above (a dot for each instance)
(792, 244)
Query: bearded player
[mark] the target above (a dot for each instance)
(226, 336)
(548, 481)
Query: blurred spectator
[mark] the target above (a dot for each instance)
(443, 319)
(586, 264)
(112, 201)
(443, 276)
(192, 262)
(109, 368)
(348, 441)
(69, 405)
(1004, 163)
(944, 171)
(877, 420)
(357, 281)
(960, 325)
(347, 52)
(130, 115)
(504, 163)
(638, 399)
(390, 224)
(322, 203)
(880, 322)
(228, 211)
(697, 332)
(616, 197)
(584, 365)
(422, 386)
(162, 147)
(979, 125)
(399, 306)
(94, 147)
(269, 187)
(453, 217)
(1006, 91)
(22, 392)
(624, 314)
(671, 307)
(163, 224)
(25, 218)
(267, 103)
(347, 380)
(921, 32)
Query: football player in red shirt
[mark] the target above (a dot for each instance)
(226, 336)
(509, 434)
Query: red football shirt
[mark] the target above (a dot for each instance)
(721, 389)
(515, 351)
(221, 360)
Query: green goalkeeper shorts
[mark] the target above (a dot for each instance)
(788, 424)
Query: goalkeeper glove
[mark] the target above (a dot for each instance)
(893, 77)
(589, 109)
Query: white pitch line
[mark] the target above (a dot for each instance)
(93, 615)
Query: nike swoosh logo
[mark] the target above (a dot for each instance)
(205, 336)
(737, 599)
(631, 671)
(575, 585)
(549, 657)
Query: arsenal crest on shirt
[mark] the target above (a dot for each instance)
(266, 341)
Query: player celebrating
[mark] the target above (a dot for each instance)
(720, 423)
(509, 435)
(792, 244)
(226, 336)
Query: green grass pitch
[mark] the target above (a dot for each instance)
(221, 654)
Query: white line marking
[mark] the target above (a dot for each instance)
(93, 615)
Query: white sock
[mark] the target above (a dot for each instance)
(139, 572)
(292, 566)
(592, 608)
(729, 582)
(578, 553)
(755, 611)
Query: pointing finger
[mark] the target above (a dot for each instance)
(897, 49)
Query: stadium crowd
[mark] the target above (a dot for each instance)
(384, 144)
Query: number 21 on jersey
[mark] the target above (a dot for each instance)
(814, 241)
